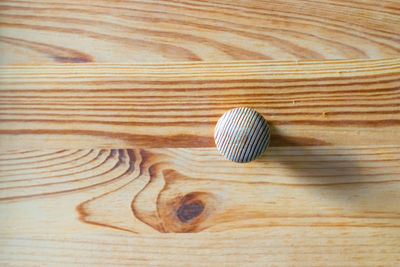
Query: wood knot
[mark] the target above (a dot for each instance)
(189, 208)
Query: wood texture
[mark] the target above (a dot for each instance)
(309, 205)
(108, 161)
(354, 102)
(41, 32)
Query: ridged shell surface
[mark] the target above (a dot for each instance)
(242, 134)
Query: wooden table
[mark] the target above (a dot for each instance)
(106, 133)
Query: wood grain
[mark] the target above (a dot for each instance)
(107, 157)
(351, 102)
(309, 205)
(42, 32)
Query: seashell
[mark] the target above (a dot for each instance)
(242, 134)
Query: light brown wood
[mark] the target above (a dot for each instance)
(303, 206)
(38, 32)
(354, 102)
(108, 161)
(325, 193)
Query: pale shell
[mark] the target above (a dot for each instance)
(242, 134)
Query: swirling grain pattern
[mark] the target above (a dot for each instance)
(40, 31)
(339, 199)
(352, 102)
(111, 164)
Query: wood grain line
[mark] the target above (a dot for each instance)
(177, 105)
(170, 190)
(192, 30)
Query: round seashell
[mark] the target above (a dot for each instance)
(242, 134)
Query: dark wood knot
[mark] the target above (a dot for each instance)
(189, 208)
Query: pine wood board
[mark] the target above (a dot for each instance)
(107, 112)
(40, 31)
(349, 102)
(325, 193)
(304, 206)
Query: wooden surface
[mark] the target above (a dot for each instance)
(352, 102)
(56, 31)
(107, 157)
(177, 207)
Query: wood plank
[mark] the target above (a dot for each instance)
(189, 30)
(114, 164)
(351, 102)
(309, 205)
